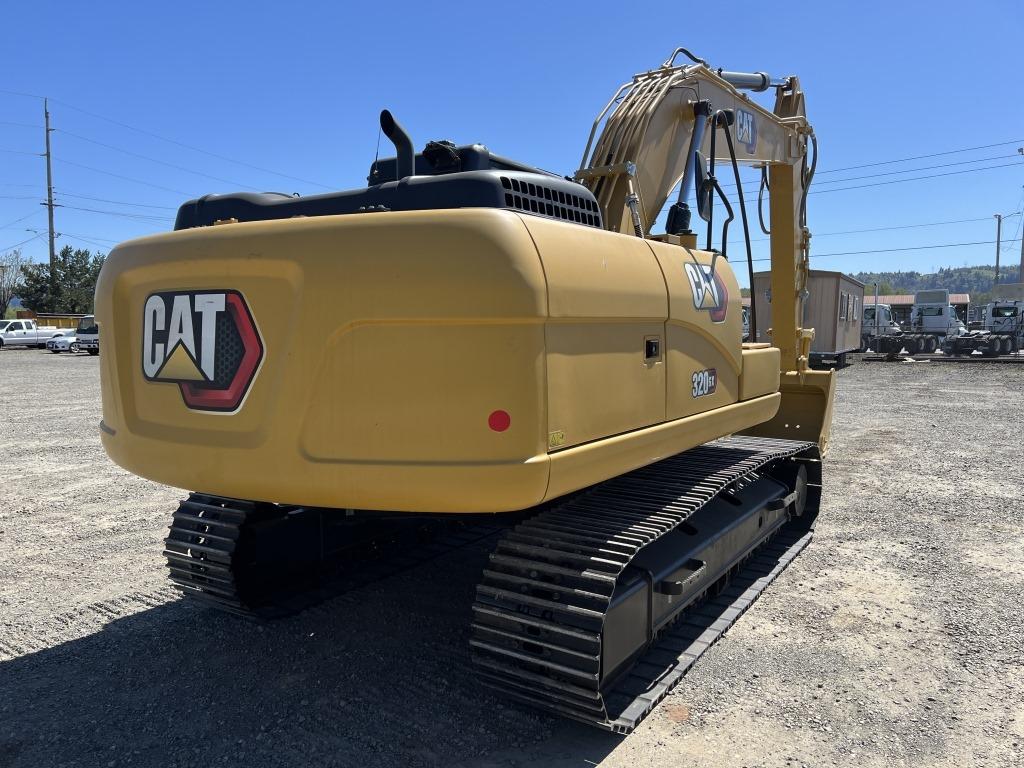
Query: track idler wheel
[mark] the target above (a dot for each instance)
(794, 475)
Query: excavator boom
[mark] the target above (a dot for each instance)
(658, 133)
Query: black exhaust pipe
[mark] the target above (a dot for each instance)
(402, 142)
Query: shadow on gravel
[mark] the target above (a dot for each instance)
(379, 677)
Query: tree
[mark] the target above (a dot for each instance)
(73, 285)
(11, 278)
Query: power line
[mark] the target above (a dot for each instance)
(881, 229)
(923, 157)
(91, 237)
(155, 160)
(145, 132)
(125, 178)
(21, 125)
(133, 216)
(86, 240)
(753, 201)
(20, 93)
(907, 170)
(26, 216)
(34, 237)
(915, 178)
(923, 168)
(326, 186)
(898, 250)
(909, 248)
(115, 202)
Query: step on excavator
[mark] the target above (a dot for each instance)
(502, 355)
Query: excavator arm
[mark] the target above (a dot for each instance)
(665, 129)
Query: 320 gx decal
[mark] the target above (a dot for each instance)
(704, 382)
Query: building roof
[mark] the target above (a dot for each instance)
(897, 299)
(906, 299)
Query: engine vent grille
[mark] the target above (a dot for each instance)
(530, 197)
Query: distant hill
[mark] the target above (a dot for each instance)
(976, 281)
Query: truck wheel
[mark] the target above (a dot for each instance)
(93, 352)
(933, 344)
(913, 346)
(1007, 345)
(992, 348)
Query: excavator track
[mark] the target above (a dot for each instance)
(267, 561)
(561, 621)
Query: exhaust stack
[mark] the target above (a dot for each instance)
(402, 141)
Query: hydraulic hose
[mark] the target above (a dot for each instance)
(746, 230)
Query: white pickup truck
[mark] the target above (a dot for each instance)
(25, 333)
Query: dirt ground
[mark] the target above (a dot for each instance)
(895, 639)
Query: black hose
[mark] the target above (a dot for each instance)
(760, 201)
(711, 178)
(695, 59)
(728, 221)
(746, 232)
(807, 177)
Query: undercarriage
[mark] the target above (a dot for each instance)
(591, 607)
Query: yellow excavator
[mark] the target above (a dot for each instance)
(469, 335)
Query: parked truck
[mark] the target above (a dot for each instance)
(1002, 332)
(25, 333)
(877, 321)
(88, 334)
(933, 324)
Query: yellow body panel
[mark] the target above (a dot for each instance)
(760, 373)
(391, 340)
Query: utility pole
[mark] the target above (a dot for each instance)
(999, 234)
(1020, 276)
(49, 187)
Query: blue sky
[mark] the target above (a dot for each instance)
(295, 88)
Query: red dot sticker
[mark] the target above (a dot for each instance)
(499, 421)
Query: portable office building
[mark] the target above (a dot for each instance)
(833, 308)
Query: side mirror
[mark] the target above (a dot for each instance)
(703, 187)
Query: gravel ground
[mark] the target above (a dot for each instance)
(895, 639)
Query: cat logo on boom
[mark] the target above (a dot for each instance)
(746, 130)
(206, 342)
(709, 292)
